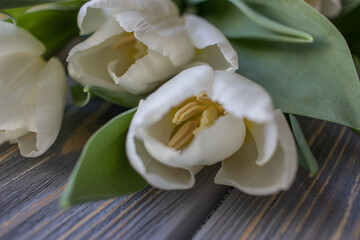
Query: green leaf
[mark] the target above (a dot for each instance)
(4, 4)
(120, 98)
(237, 19)
(103, 170)
(306, 158)
(79, 97)
(317, 80)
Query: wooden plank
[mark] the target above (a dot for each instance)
(324, 207)
(30, 190)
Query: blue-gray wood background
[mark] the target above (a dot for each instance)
(324, 207)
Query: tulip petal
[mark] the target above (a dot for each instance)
(167, 37)
(215, 143)
(32, 102)
(91, 19)
(205, 149)
(215, 48)
(146, 74)
(50, 104)
(154, 172)
(331, 8)
(266, 140)
(242, 97)
(94, 13)
(18, 87)
(84, 65)
(242, 172)
(14, 39)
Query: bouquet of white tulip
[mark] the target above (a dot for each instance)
(209, 82)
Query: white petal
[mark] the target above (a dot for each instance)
(215, 143)
(50, 104)
(242, 97)
(32, 102)
(94, 13)
(88, 61)
(331, 8)
(14, 39)
(155, 173)
(164, 35)
(146, 74)
(216, 49)
(18, 88)
(210, 146)
(242, 172)
(266, 139)
(91, 19)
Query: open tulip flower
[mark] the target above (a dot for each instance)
(138, 45)
(32, 92)
(330, 8)
(202, 117)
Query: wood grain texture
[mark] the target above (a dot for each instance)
(324, 207)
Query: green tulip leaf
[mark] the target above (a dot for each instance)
(103, 170)
(6, 4)
(316, 79)
(237, 19)
(120, 98)
(79, 97)
(52, 27)
(305, 156)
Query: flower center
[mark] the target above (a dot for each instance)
(128, 40)
(191, 117)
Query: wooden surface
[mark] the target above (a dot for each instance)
(324, 207)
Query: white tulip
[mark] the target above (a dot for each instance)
(139, 44)
(202, 117)
(32, 92)
(329, 8)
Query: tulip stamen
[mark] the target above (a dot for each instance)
(183, 135)
(191, 117)
(208, 118)
(189, 110)
(202, 97)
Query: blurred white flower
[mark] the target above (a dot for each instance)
(32, 92)
(202, 117)
(139, 44)
(329, 8)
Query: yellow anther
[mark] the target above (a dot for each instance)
(189, 110)
(191, 117)
(207, 119)
(202, 97)
(183, 135)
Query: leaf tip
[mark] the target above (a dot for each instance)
(64, 202)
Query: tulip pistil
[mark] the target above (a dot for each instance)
(191, 117)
